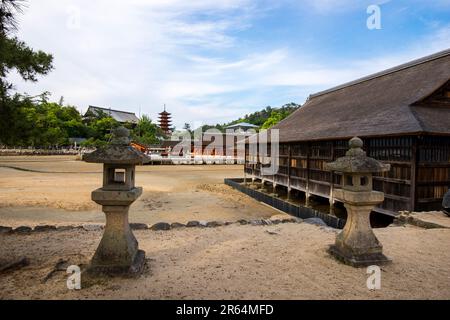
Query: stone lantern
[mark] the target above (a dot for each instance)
(357, 245)
(118, 251)
(446, 203)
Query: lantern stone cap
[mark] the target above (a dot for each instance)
(357, 161)
(119, 151)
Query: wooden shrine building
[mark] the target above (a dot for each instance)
(403, 116)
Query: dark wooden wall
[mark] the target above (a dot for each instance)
(433, 172)
(417, 181)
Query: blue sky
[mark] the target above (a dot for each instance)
(214, 61)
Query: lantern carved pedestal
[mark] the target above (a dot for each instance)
(357, 245)
(118, 251)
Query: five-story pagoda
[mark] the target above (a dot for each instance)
(165, 121)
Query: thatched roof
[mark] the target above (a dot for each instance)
(387, 103)
(119, 116)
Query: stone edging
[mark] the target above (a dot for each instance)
(406, 218)
(161, 226)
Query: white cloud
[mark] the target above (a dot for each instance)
(127, 54)
(333, 6)
(139, 55)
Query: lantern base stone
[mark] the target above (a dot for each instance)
(134, 269)
(358, 261)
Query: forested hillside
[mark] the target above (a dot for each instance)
(264, 119)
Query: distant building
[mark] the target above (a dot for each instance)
(165, 121)
(211, 144)
(119, 116)
(243, 126)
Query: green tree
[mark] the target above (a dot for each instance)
(21, 118)
(103, 127)
(260, 118)
(278, 115)
(187, 127)
(16, 55)
(147, 132)
(274, 119)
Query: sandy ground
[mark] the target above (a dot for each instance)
(235, 262)
(230, 262)
(57, 190)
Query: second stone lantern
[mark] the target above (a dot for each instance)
(357, 245)
(118, 252)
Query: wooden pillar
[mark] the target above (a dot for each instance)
(414, 164)
(307, 174)
(331, 200)
(245, 174)
(245, 164)
(254, 163)
(289, 174)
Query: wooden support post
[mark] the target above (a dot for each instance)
(332, 182)
(332, 195)
(414, 162)
(254, 164)
(307, 175)
(253, 174)
(289, 173)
